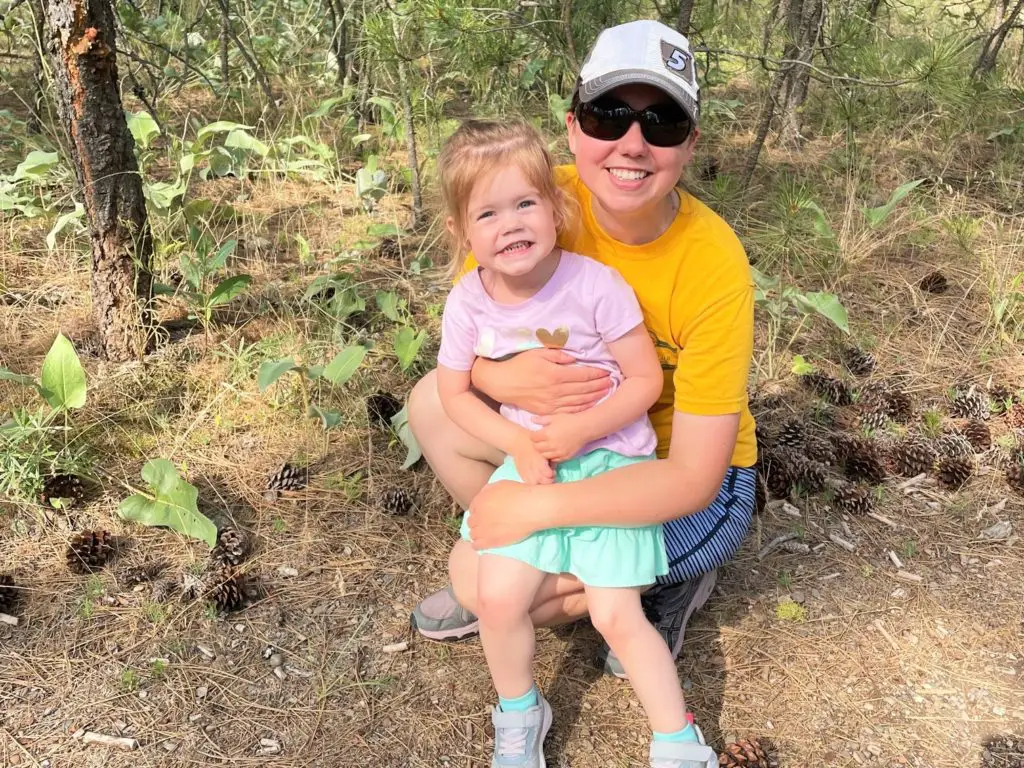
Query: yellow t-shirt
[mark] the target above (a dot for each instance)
(697, 296)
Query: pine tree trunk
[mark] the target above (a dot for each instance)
(685, 12)
(410, 131)
(874, 7)
(338, 38)
(804, 20)
(986, 63)
(81, 45)
(225, 39)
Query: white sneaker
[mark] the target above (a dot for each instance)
(683, 754)
(519, 736)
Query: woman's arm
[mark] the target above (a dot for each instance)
(645, 493)
(541, 381)
(564, 434)
(474, 416)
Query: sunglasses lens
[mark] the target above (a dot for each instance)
(604, 122)
(663, 125)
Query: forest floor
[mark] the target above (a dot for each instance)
(904, 649)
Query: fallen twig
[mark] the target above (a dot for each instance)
(847, 545)
(8, 619)
(120, 742)
(775, 543)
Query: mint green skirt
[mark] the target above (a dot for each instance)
(599, 556)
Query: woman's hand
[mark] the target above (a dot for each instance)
(542, 381)
(561, 436)
(506, 512)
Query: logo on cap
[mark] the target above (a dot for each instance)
(679, 62)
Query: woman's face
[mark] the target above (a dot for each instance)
(628, 175)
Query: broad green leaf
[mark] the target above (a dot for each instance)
(315, 371)
(62, 376)
(17, 378)
(558, 106)
(228, 289)
(221, 126)
(361, 138)
(68, 218)
(221, 257)
(162, 289)
(325, 107)
(303, 244)
(172, 503)
(239, 139)
(197, 208)
(143, 127)
(384, 230)
(390, 305)
(407, 346)
(330, 419)
(800, 366)
(344, 364)
(825, 304)
(821, 225)
(877, 216)
(400, 424)
(35, 166)
(386, 104)
(163, 194)
(272, 370)
(191, 270)
(762, 280)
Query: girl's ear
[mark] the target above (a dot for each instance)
(450, 225)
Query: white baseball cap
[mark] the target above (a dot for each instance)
(642, 52)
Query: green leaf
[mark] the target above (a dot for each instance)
(344, 364)
(221, 126)
(330, 419)
(62, 376)
(172, 503)
(17, 378)
(825, 304)
(389, 305)
(221, 257)
(800, 366)
(558, 107)
(325, 107)
(162, 194)
(35, 166)
(876, 216)
(407, 346)
(239, 139)
(821, 225)
(303, 244)
(228, 289)
(62, 222)
(384, 230)
(400, 424)
(143, 127)
(272, 370)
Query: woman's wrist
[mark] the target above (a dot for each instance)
(543, 506)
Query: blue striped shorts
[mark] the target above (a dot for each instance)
(705, 540)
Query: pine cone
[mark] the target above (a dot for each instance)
(822, 450)
(64, 486)
(395, 501)
(864, 462)
(288, 478)
(874, 418)
(1001, 397)
(9, 593)
(978, 435)
(137, 574)
(760, 493)
(163, 589)
(854, 499)
(774, 467)
(899, 405)
(954, 473)
(828, 388)
(857, 361)
(810, 474)
(913, 456)
(1015, 476)
(380, 408)
(792, 434)
(1003, 751)
(389, 249)
(954, 446)
(1015, 416)
(89, 551)
(969, 404)
(225, 588)
(232, 547)
(934, 282)
(748, 753)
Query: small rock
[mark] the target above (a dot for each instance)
(280, 673)
(170, 746)
(195, 717)
(201, 692)
(275, 660)
(998, 532)
(206, 651)
(288, 572)
(346, 551)
(239, 628)
(143, 694)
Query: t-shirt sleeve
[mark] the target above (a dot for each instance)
(714, 362)
(458, 333)
(616, 309)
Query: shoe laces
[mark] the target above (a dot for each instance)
(511, 742)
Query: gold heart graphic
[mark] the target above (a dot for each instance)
(553, 339)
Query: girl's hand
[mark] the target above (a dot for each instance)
(532, 467)
(542, 381)
(506, 512)
(562, 436)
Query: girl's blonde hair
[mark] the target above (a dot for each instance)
(480, 147)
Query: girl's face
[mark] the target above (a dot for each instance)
(629, 176)
(510, 226)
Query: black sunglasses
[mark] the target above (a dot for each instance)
(662, 125)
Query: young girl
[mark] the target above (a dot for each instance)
(503, 204)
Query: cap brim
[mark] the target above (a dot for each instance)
(599, 86)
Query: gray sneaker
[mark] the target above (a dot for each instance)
(519, 736)
(669, 608)
(683, 754)
(440, 617)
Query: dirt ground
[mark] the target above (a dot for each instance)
(905, 648)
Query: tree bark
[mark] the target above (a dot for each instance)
(804, 19)
(410, 130)
(34, 124)
(82, 45)
(685, 12)
(986, 63)
(225, 40)
(338, 38)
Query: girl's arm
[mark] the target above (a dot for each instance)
(645, 493)
(474, 416)
(565, 433)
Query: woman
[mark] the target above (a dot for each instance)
(692, 279)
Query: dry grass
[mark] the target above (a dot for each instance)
(882, 672)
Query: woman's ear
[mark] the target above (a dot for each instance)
(570, 130)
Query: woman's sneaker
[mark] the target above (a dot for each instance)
(669, 608)
(519, 736)
(440, 617)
